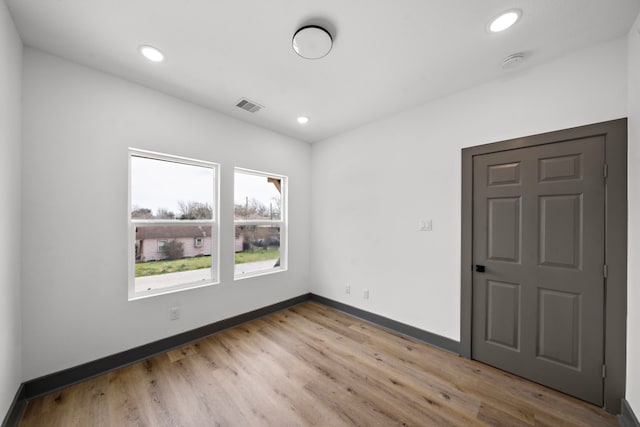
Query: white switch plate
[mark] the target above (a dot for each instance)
(425, 225)
(174, 313)
(365, 293)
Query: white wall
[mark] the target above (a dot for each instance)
(633, 283)
(10, 124)
(369, 187)
(372, 185)
(78, 123)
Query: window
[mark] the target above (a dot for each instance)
(260, 223)
(173, 223)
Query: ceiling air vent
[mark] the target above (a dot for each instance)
(249, 106)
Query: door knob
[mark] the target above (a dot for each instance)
(479, 268)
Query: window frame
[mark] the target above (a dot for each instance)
(283, 223)
(198, 242)
(213, 223)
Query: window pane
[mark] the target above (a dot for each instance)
(257, 248)
(168, 256)
(257, 196)
(169, 190)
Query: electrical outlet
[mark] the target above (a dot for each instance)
(425, 225)
(365, 294)
(174, 314)
(347, 289)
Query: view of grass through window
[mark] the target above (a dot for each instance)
(172, 214)
(153, 268)
(258, 215)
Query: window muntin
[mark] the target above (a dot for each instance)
(172, 205)
(260, 223)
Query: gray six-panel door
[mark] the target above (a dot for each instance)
(538, 231)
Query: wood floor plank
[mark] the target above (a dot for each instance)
(401, 389)
(309, 365)
(443, 378)
(352, 383)
(518, 397)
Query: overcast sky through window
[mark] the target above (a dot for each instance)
(162, 184)
(254, 187)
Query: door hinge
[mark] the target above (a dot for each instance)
(604, 371)
(605, 271)
(606, 170)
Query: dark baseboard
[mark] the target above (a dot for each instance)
(627, 418)
(402, 328)
(58, 380)
(15, 410)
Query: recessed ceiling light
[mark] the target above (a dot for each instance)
(505, 20)
(312, 42)
(303, 120)
(151, 53)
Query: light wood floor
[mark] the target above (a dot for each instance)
(309, 365)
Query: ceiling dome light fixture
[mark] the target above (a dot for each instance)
(312, 42)
(505, 20)
(303, 120)
(151, 53)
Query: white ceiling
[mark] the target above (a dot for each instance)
(388, 55)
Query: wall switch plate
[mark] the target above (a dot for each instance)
(425, 225)
(174, 314)
(347, 289)
(365, 294)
